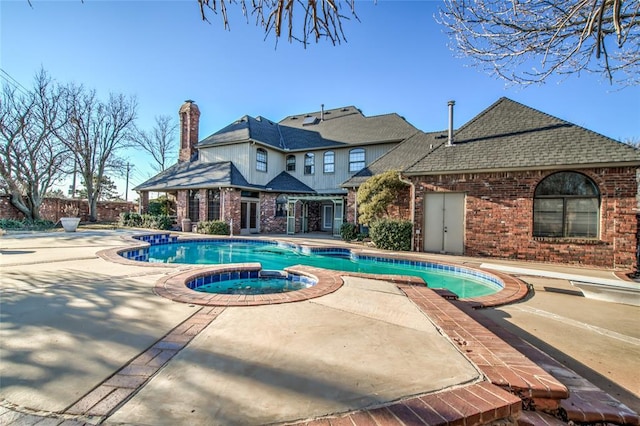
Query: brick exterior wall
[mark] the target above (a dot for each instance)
(182, 205)
(499, 217)
(269, 223)
(400, 208)
(54, 208)
(189, 124)
(314, 223)
(231, 209)
(202, 205)
(350, 207)
(143, 205)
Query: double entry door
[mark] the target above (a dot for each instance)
(249, 217)
(444, 222)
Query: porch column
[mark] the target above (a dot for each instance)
(202, 205)
(182, 203)
(143, 204)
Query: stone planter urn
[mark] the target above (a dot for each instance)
(70, 224)
(186, 225)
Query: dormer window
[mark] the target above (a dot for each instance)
(291, 163)
(261, 160)
(356, 160)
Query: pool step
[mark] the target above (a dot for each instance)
(265, 273)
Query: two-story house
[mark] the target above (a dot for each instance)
(262, 176)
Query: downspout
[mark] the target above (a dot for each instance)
(355, 205)
(412, 209)
(222, 192)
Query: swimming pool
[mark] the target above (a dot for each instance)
(465, 282)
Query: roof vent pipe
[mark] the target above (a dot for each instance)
(450, 140)
(321, 112)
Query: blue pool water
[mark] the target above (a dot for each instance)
(462, 281)
(253, 286)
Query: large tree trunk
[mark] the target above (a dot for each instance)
(29, 211)
(93, 209)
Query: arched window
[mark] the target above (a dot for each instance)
(566, 204)
(291, 163)
(281, 205)
(329, 162)
(309, 164)
(356, 160)
(261, 160)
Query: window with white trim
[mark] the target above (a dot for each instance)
(356, 160)
(261, 160)
(291, 163)
(329, 162)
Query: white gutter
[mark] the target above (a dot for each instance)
(412, 208)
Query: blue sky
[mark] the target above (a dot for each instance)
(396, 59)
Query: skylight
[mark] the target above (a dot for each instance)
(309, 121)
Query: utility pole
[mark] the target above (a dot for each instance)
(126, 188)
(73, 184)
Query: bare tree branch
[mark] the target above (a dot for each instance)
(95, 131)
(160, 141)
(320, 19)
(32, 159)
(562, 37)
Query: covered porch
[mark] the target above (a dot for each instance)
(331, 212)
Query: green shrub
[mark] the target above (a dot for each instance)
(362, 236)
(161, 206)
(391, 234)
(349, 231)
(213, 227)
(39, 225)
(26, 225)
(160, 221)
(11, 224)
(150, 221)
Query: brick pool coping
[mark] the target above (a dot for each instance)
(174, 286)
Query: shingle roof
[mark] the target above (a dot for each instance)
(397, 158)
(341, 126)
(284, 182)
(509, 135)
(192, 175)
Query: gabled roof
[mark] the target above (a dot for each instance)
(340, 127)
(511, 136)
(505, 136)
(399, 156)
(195, 174)
(284, 182)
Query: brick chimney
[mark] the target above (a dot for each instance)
(189, 123)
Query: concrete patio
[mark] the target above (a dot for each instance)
(73, 324)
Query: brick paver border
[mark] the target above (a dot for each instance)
(111, 394)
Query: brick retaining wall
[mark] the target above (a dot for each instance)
(54, 208)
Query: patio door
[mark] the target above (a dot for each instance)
(327, 217)
(249, 217)
(444, 222)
